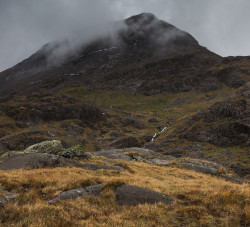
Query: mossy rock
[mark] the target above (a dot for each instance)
(75, 152)
(49, 147)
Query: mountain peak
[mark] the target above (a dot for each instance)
(143, 18)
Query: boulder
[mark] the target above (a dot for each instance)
(125, 195)
(132, 195)
(49, 147)
(79, 193)
(52, 147)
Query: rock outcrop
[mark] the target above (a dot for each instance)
(125, 195)
(93, 190)
(52, 147)
(43, 160)
(224, 123)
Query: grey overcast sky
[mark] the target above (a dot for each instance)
(222, 26)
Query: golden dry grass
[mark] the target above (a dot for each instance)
(200, 200)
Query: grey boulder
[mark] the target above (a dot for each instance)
(79, 193)
(132, 195)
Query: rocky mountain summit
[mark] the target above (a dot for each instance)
(126, 120)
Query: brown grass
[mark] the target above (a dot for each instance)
(200, 200)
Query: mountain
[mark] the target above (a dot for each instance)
(141, 41)
(143, 78)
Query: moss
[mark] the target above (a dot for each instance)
(77, 148)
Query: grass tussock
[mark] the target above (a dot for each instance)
(200, 200)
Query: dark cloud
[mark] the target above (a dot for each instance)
(221, 25)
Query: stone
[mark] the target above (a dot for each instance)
(79, 193)
(132, 195)
(50, 147)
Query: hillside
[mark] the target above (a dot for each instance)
(147, 85)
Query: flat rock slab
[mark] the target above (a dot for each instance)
(143, 151)
(43, 160)
(98, 166)
(113, 154)
(132, 195)
(33, 161)
(79, 192)
(121, 153)
(200, 166)
(158, 161)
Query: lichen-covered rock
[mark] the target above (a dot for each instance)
(49, 147)
(52, 147)
(75, 152)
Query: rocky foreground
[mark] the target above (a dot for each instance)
(88, 188)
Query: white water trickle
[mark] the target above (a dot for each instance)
(155, 135)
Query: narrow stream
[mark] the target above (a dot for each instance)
(157, 133)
